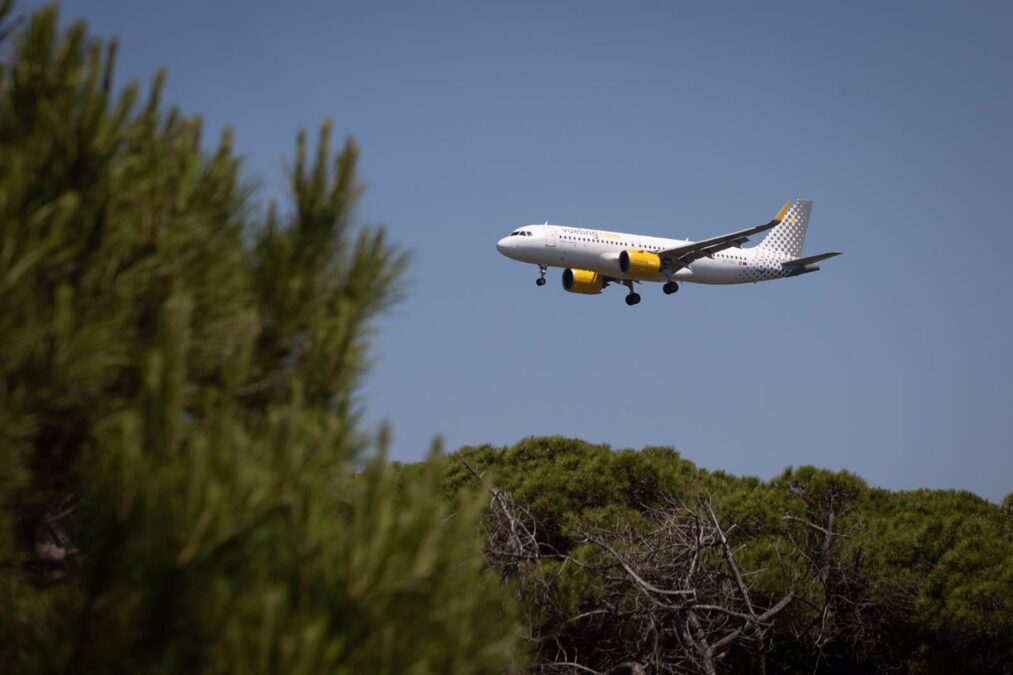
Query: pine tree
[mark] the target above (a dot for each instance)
(179, 441)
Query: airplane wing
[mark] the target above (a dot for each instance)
(681, 256)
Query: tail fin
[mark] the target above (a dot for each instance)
(789, 236)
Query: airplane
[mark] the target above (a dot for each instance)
(593, 259)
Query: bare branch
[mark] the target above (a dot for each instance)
(730, 559)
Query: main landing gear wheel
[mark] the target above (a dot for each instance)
(632, 298)
(540, 281)
(670, 287)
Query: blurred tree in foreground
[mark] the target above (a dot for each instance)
(177, 404)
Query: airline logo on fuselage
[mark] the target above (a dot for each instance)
(581, 232)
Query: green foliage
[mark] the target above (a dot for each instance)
(938, 562)
(564, 481)
(920, 580)
(178, 430)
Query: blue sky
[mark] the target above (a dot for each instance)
(671, 119)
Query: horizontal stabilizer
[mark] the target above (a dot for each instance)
(802, 262)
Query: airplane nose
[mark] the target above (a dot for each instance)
(502, 244)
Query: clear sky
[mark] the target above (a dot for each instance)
(672, 119)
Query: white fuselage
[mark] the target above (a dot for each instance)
(598, 251)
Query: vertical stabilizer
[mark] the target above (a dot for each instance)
(788, 238)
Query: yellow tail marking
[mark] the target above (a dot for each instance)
(784, 209)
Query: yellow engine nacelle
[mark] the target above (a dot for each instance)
(582, 281)
(639, 263)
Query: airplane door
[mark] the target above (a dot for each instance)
(550, 236)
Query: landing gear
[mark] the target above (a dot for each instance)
(632, 298)
(670, 287)
(540, 281)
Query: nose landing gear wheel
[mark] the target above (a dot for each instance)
(540, 281)
(670, 287)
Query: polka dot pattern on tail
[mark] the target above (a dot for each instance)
(788, 238)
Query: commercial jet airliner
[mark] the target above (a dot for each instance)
(593, 259)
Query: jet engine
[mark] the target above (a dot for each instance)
(639, 263)
(582, 281)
